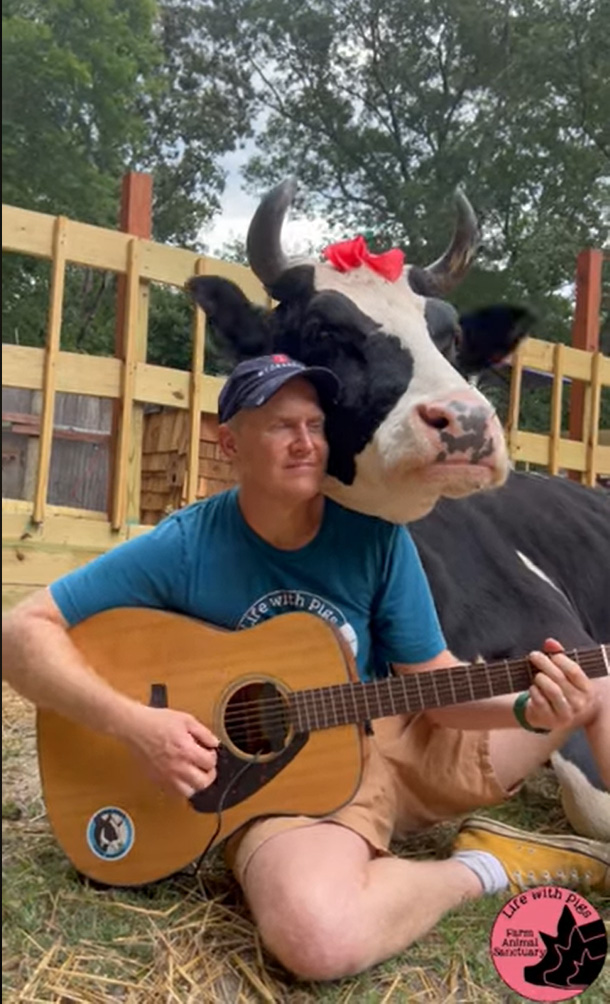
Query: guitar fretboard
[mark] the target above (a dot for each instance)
(351, 703)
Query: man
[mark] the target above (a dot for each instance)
(327, 895)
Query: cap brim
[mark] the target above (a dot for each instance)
(325, 382)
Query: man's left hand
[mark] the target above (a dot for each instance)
(561, 696)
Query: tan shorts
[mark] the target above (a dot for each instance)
(415, 774)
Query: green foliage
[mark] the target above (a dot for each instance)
(382, 108)
(92, 89)
(72, 74)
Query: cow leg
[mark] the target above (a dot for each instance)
(582, 765)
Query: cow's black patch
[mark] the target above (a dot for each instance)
(443, 327)
(241, 328)
(489, 603)
(374, 368)
(491, 334)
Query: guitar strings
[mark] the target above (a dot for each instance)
(248, 712)
(363, 690)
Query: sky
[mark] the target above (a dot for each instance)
(237, 210)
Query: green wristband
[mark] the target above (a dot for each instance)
(519, 712)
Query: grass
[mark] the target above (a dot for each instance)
(190, 940)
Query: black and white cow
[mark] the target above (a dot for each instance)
(411, 440)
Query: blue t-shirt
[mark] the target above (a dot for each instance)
(361, 574)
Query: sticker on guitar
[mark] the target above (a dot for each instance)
(110, 833)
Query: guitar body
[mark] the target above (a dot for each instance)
(116, 825)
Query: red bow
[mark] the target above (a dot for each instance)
(351, 254)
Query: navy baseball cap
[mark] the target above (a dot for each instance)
(254, 381)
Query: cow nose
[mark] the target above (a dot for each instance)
(459, 428)
(437, 416)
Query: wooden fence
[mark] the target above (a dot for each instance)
(43, 539)
(588, 454)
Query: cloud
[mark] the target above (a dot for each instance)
(238, 207)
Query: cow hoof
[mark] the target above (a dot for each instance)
(587, 808)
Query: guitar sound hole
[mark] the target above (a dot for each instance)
(256, 719)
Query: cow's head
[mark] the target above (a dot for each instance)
(408, 427)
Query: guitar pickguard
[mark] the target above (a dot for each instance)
(238, 779)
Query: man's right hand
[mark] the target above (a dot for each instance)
(176, 750)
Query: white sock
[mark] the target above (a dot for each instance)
(486, 867)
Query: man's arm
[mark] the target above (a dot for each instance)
(40, 661)
(560, 696)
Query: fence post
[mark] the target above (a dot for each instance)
(135, 218)
(585, 333)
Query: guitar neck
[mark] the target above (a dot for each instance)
(356, 703)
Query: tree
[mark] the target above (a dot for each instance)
(91, 89)
(382, 107)
(72, 74)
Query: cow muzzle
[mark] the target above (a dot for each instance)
(460, 430)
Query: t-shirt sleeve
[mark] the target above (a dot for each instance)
(405, 625)
(148, 571)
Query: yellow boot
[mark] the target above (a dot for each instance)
(534, 859)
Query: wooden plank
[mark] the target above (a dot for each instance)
(162, 385)
(22, 506)
(119, 501)
(136, 204)
(58, 275)
(136, 220)
(556, 402)
(61, 531)
(23, 565)
(99, 376)
(170, 387)
(22, 366)
(602, 459)
(514, 403)
(175, 265)
(539, 355)
(197, 364)
(64, 528)
(536, 354)
(592, 434)
(533, 448)
(585, 329)
(27, 232)
(210, 391)
(134, 478)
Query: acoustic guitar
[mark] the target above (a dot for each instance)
(282, 697)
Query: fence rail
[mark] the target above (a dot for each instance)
(555, 451)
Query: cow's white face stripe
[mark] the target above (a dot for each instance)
(389, 481)
(533, 567)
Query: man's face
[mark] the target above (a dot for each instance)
(280, 448)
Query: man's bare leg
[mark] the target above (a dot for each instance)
(326, 908)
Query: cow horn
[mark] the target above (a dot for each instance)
(453, 265)
(265, 255)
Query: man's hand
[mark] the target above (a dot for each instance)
(561, 695)
(177, 751)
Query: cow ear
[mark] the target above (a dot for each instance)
(239, 326)
(491, 334)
